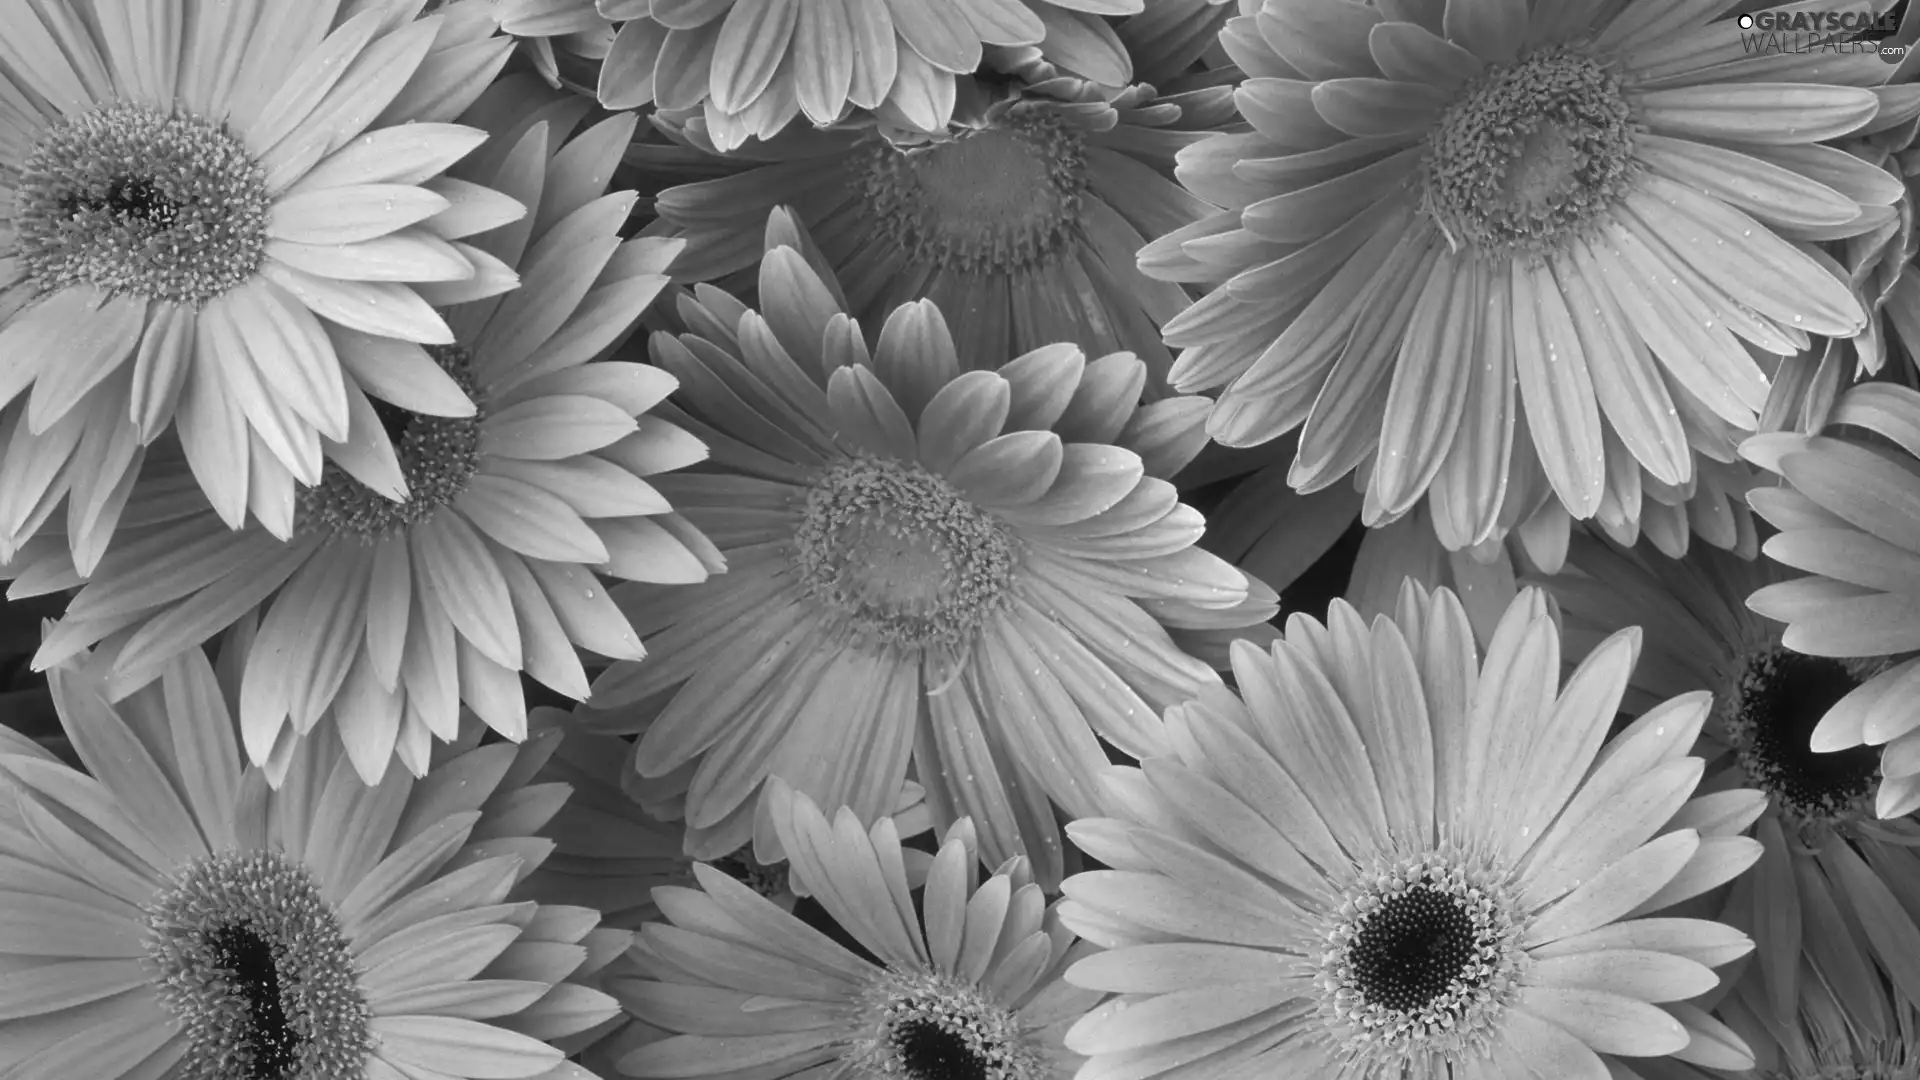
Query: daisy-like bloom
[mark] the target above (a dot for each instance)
(170, 915)
(1021, 219)
(1396, 861)
(977, 572)
(230, 219)
(1467, 241)
(1848, 510)
(1818, 831)
(420, 580)
(749, 991)
(757, 65)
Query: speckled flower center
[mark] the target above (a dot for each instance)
(1530, 155)
(995, 201)
(900, 556)
(1780, 699)
(252, 961)
(927, 1026)
(132, 199)
(1420, 959)
(438, 456)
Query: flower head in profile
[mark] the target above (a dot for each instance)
(1020, 217)
(1388, 858)
(169, 914)
(1847, 505)
(967, 987)
(1877, 264)
(230, 221)
(434, 564)
(755, 66)
(1821, 841)
(976, 572)
(1467, 241)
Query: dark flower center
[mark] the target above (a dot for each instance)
(131, 199)
(438, 456)
(1411, 948)
(1421, 959)
(251, 960)
(995, 201)
(925, 1026)
(1781, 698)
(768, 881)
(900, 555)
(1530, 155)
(930, 1051)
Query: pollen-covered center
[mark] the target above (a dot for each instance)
(438, 456)
(900, 556)
(993, 201)
(1780, 699)
(1421, 958)
(927, 1026)
(1530, 155)
(133, 199)
(251, 960)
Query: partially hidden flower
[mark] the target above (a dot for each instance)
(978, 573)
(1466, 244)
(755, 66)
(1878, 265)
(1823, 849)
(1388, 857)
(1020, 218)
(969, 986)
(170, 914)
(230, 221)
(432, 570)
(1847, 504)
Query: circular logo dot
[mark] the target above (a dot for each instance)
(1746, 22)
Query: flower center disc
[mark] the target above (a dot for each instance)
(900, 555)
(998, 200)
(1781, 697)
(924, 1026)
(1420, 959)
(1411, 948)
(131, 199)
(438, 456)
(252, 962)
(1530, 154)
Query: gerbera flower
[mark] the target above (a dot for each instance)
(230, 219)
(1592, 206)
(1877, 264)
(610, 851)
(1849, 514)
(1768, 701)
(168, 914)
(1396, 861)
(1021, 219)
(976, 571)
(750, 991)
(1866, 1029)
(418, 581)
(757, 65)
